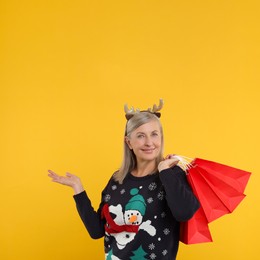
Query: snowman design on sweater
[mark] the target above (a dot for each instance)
(128, 221)
(140, 217)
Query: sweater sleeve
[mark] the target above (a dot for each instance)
(91, 218)
(179, 196)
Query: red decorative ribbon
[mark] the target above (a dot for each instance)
(112, 227)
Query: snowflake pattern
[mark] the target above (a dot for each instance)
(152, 256)
(107, 198)
(152, 246)
(164, 252)
(114, 187)
(122, 191)
(163, 215)
(152, 186)
(150, 200)
(166, 231)
(160, 195)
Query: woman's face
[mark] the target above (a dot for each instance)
(145, 141)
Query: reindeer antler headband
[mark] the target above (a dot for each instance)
(129, 113)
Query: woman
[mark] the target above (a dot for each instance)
(144, 201)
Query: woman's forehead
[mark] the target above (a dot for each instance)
(148, 127)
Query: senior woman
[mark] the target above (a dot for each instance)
(144, 201)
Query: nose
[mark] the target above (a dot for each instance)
(148, 141)
(133, 219)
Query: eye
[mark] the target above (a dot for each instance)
(140, 136)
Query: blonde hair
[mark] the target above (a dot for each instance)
(129, 162)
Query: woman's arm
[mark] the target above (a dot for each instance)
(91, 219)
(179, 196)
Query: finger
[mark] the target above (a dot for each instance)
(69, 174)
(169, 156)
(52, 173)
(59, 179)
(53, 178)
(174, 163)
(166, 157)
(172, 156)
(173, 159)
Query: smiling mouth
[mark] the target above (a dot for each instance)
(148, 150)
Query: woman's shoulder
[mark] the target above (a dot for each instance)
(112, 179)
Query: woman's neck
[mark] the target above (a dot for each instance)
(144, 168)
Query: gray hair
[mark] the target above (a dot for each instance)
(129, 162)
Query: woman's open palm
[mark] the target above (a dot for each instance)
(68, 180)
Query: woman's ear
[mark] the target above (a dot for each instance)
(127, 140)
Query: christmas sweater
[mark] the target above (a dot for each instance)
(139, 219)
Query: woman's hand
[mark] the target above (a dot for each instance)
(69, 180)
(168, 162)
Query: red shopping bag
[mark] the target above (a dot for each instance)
(195, 230)
(219, 189)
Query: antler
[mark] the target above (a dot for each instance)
(156, 108)
(130, 112)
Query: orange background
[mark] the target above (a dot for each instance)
(66, 70)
